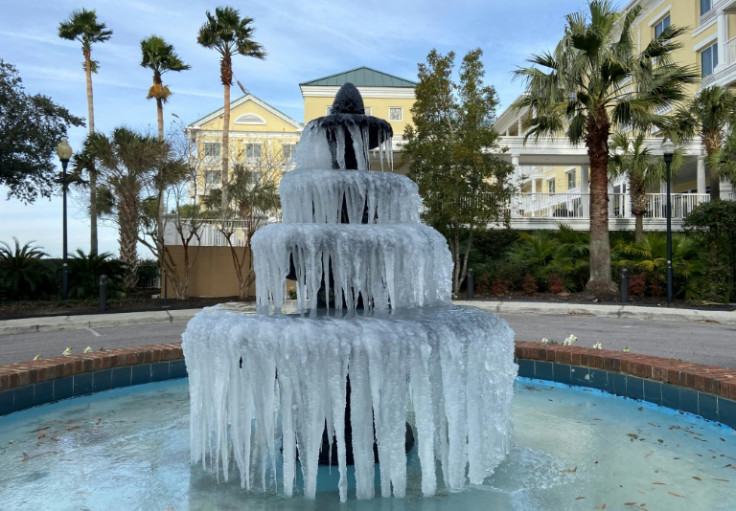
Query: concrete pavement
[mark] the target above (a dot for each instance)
(82, 322)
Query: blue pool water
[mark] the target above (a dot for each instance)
(572, 449)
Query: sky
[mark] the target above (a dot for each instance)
(304, 40)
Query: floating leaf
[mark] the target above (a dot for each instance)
(569, 470)
(676, 495)
(661, 484)
(580, 498)
(697, 478)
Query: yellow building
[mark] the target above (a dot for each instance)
(552, 176)
(260, 137)
(385, 96)
(263, 139)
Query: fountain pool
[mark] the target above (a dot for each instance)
(571, 448)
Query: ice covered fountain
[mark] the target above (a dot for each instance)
(374, 331)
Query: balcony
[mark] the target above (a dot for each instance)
(531, 211)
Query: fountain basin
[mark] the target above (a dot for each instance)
(572, 448)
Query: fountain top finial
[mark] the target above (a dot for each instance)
(348, 101)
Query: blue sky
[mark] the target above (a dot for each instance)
(304, 40)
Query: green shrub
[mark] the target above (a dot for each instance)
(24, 273)
(85, 271)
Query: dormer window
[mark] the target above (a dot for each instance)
(250, 119)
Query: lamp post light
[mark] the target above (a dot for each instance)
(64, 151)
(668, 148)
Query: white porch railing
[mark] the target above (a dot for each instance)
(210, 232)
(574, 205)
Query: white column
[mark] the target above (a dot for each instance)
(534, 196)
(585, 190)
(627, 197)
(722, 38)
(519, 127)
(701, 174)
(517, 183)
(611, 200)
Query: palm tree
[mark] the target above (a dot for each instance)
(160, 57)
(228, 33)
(707, 115)
(634, 160)
(82, 26)
(128, 159)
(592, 81)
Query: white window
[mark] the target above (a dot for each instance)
(661, 26)
(705, 6)
(551, 186)
(328, 109)
(212, 149)
(571, 180)
(212, 177)
(287, 151)
(252, 151)
(395, 113)
(708, 60)
(369, 110)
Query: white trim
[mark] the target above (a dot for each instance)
(664, 12)
(233, 105)
(705, 43)
(330, 91)
(265, 135)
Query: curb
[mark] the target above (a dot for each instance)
(81, 322)
(608, 311)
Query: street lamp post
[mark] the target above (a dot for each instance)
(668, 148)
(64, 151)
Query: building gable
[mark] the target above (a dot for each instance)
(249, 113)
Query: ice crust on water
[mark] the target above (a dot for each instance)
(316, 196)
(265, 383)
(401, 265)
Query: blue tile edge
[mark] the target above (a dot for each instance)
(21, 398)
(707, 406)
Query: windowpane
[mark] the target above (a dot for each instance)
(571, 179)
(252, 150)
(551, 186)
(395, 114)
(661, 26)
(287, 151)
(212, 177)
(211, 149)
(705, 6)
(709, 60)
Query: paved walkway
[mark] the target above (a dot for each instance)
(701, 336)
(80, 322)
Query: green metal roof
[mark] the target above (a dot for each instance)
(362, 77)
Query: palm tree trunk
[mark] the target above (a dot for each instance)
(160, 118)
(715, 186)
(225, 153)
(600, 246)
(128, 224)
(92, 171)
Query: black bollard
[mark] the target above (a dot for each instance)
(624, 285)
(471, 284)
(103, 293)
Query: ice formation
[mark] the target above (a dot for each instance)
(264, 386)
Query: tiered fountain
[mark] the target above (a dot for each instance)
(263, 387)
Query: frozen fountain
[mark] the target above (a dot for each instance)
(263, 387)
